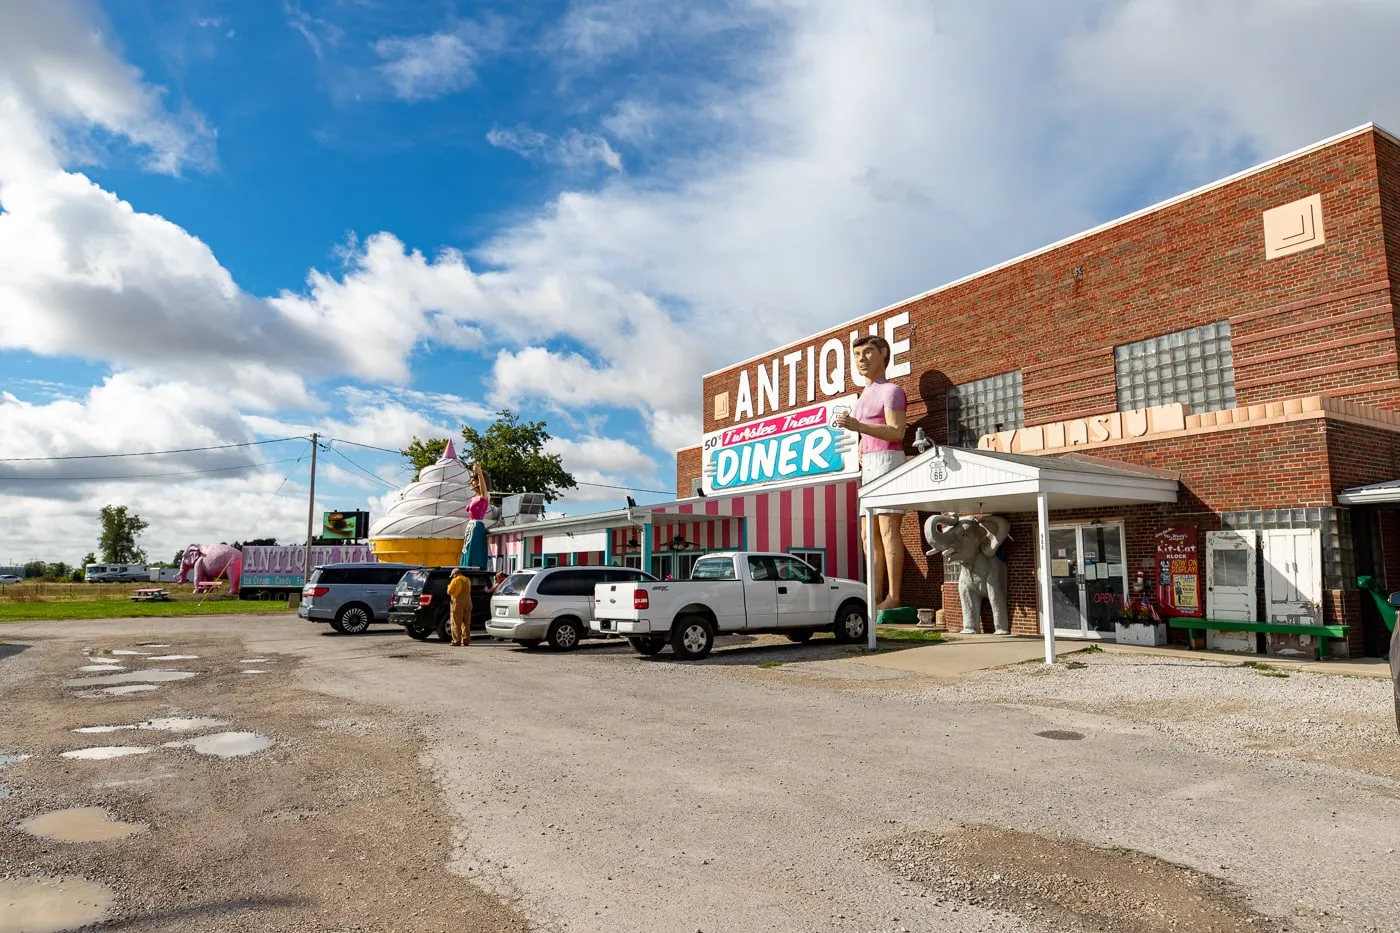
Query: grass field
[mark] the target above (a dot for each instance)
(125, 609)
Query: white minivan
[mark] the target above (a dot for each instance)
(551, 604)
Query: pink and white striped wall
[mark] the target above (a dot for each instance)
(822, 517)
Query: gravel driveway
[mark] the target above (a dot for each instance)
(602, 791)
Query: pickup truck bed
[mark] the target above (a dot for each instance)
(743, 591)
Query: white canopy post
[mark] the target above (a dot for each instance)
(1047, 620)
(870, 610)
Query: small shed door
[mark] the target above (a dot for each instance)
(1230, 576)
(1293, 576)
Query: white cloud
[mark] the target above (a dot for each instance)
(436, 64)
(575, 150)
(322, 35)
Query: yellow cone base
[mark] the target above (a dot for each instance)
(429, 552)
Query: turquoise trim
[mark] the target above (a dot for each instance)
(646, 547)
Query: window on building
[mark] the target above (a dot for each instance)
(815, 557)
(984, 407)
(1194, 367)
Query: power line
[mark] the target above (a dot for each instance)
(340, 440)
(152, 453)
(374, 476)
(83, 479)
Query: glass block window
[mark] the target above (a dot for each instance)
(1338, 557)
(984, 407)
(1194, 367)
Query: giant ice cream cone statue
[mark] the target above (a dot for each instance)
(425, 526)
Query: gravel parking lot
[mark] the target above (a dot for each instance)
(771, 787)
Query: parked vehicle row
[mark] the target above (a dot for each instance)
(749, 592)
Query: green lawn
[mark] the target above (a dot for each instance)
(908, 634)
(61, 610)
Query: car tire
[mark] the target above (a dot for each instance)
(692, 637)
(353, 618)
(418, 633)
(528, 643)
(647, 646)
(564, 634)
(444, 628)
(851, 623)
(799, 638)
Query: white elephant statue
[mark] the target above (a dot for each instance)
(972, 542)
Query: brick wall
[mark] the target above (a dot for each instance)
(688, 464)
(1194, 262)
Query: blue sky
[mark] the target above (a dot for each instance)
(223, 222)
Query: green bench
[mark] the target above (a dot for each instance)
(1278, 628)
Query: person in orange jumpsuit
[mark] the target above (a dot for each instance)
(460, 589)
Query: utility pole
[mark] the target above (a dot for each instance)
(310, 512)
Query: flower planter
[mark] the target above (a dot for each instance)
(1141, 634)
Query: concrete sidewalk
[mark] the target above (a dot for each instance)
(963, 654)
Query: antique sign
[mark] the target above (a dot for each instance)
(1178, 572)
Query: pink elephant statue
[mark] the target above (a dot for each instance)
(212, 562)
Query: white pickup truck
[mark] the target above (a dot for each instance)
(743, 591)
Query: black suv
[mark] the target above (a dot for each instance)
(421, 604)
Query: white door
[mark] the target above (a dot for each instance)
(1293, 576)
(761, 593)
(803, 597)
(1231, 587)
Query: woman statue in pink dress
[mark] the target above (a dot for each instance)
(474, 548)
(879, 419)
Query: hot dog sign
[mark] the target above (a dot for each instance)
(796, 445)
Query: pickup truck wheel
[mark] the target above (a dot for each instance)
(800, 638)
(647, 645)
(851, 623)
(564, 635)
(692, 637)
(352, 619)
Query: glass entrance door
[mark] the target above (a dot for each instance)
(1088, 575)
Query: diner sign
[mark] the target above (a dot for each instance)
(1179, 572)
(797, 445)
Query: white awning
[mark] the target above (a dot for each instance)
(955, 479)
(1387, 493)
(968, 482)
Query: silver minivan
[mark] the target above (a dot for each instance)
(551, 604)
(351, 597)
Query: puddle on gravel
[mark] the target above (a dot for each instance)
(1063, 735)
(154, 644)
(173, 657)
(50, 904)
(225, 744)
(11, 759)
(4, 792)
(126, 651)
(103, 752)
(130, 689)
(80, 824)
(252, 660)
(255, 670)
(154, 676)
(89, 668)
(163, 724)
(1058, 883)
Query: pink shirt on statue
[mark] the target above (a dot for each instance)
(876, 399)
(477, 508)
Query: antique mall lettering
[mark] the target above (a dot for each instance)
(796, 377)
(1088, 432)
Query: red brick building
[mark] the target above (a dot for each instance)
(1241, 336)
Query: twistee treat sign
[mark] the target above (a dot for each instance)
(797, 445)
(1178, 571)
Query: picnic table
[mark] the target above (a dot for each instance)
(149, 596)
(209, 586)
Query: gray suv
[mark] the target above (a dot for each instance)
(351, 596)
(551, 604)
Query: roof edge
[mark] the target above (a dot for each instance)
(1370, 127)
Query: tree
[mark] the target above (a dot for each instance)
(89, 558)
(512, 453)
(424, 453)
(179, 558)
(255, 542)
(120, 529)
(35, 568)
(58, 570)
(77, 575)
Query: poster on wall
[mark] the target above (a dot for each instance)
(800, 444)
(1179, 571)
